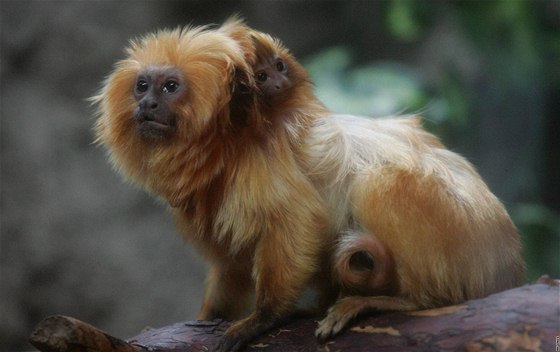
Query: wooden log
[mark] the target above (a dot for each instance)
(526, 318)
(59, 333)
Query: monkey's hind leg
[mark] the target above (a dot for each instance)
(348, 308)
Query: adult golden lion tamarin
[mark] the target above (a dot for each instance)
(172, 115)
(268, 185)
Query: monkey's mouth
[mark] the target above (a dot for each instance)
(156, 125)
(152, 127)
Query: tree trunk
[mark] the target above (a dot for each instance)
(526, 318)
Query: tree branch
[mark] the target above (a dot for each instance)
(524, 318)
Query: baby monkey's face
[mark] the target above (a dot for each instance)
(272, 77)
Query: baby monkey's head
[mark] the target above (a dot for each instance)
(277, 73)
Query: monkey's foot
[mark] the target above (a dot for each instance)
(338, 317)
(243, 331)
(348, 308)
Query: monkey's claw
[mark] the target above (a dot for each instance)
(233, 339)
(338, 317)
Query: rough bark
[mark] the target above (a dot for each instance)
(526, 318)
(60, 333)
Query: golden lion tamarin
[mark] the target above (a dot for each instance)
(271, 188)
(416, 225)
(172, 115)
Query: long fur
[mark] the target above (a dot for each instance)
(268, 191)
(426, 204)
(434, 232)
(229, 173)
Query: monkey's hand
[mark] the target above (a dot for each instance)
(348, 308)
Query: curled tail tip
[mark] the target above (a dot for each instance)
(363, 263)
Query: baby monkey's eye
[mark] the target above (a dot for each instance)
(141, 86)
(262, 76)
(170, 86)
(280, 66)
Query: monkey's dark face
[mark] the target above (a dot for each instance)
(158, 92)
(272, 77)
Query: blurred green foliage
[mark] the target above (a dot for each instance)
(540, 227)
(373, 90)
(515, 48)
(406, 19)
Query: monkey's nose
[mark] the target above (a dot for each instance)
(148, 104)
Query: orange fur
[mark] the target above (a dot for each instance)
(449, 237)
(231, 178)
(363, 264)
(266, 190)
(434, 232)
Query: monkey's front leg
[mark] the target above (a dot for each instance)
(282, 267)
(226, 295)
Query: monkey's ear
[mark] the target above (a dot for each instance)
(243, 99)
(243, 81)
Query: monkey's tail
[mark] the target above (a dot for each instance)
(362, 263)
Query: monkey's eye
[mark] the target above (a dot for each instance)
(280, 66)
(262, 76)
(141, 86)
(170, 86)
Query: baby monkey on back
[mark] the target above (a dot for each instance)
(280, 194)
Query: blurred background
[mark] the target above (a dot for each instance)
(77, 240)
